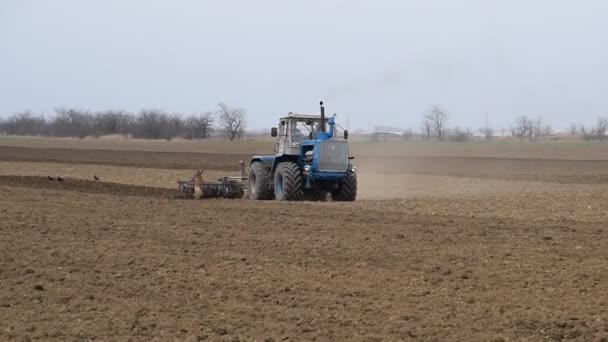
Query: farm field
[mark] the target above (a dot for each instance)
(470, 242)
(571, 150)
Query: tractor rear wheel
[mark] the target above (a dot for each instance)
(260, 182)
(288, 183)
(347, 190)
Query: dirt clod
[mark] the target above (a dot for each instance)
(221, 331)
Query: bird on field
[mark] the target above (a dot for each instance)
(50, 178)
(95, 177)
(60, 179)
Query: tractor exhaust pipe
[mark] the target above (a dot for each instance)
(322, 117)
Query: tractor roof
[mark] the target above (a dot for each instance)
(298, 116)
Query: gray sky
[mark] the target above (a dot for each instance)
(382, 62)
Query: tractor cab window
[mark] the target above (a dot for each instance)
(315, 126)
(282, 129)
(301, 131)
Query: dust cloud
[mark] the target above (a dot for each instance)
(406, 178)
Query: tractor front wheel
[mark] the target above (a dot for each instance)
(260, 182)
(347, 190)
(288, 182)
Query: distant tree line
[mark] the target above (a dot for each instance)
(434, 126)
(528, 128)
(596, 132)
(230, 122)
(227, 121)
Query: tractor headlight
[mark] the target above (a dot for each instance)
(307, 168)
(353, 168)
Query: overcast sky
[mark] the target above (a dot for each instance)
(380, 62)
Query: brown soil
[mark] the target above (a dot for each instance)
(495, 259)
(544, 170)
(166, 160)
(150, 177)
(104, 267)
(569, 150)
(86, 186)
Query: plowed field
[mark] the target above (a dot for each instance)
(437, 248)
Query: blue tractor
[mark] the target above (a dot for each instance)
(309, 163)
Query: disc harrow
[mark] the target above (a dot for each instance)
(226, 187)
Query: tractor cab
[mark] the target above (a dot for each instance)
(298, 130)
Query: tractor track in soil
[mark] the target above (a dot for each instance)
(86, 186)
(139, 159)
(522, 169)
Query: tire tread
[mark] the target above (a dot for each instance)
(292, 181)
(265, 190)
(347, 192)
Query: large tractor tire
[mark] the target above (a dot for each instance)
(347, 190)
(260, 182)
(288, 182)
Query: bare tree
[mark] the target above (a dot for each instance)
(541, 129)
(232, 121)
(521, 127)
(147, 124)
(24, 123)
(112, 122)
(72, 122)
(572, 129)
(172, 127)
(526, 127)
(487, 132)
(582, 129)
(427, 128)
(153, 124)
(460, 135)
(438, 120)
(537, 128)
(199, 126)
(547, 130)
(600, 129)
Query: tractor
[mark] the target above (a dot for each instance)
(310, 162)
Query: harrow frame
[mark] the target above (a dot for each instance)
(226, 187)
